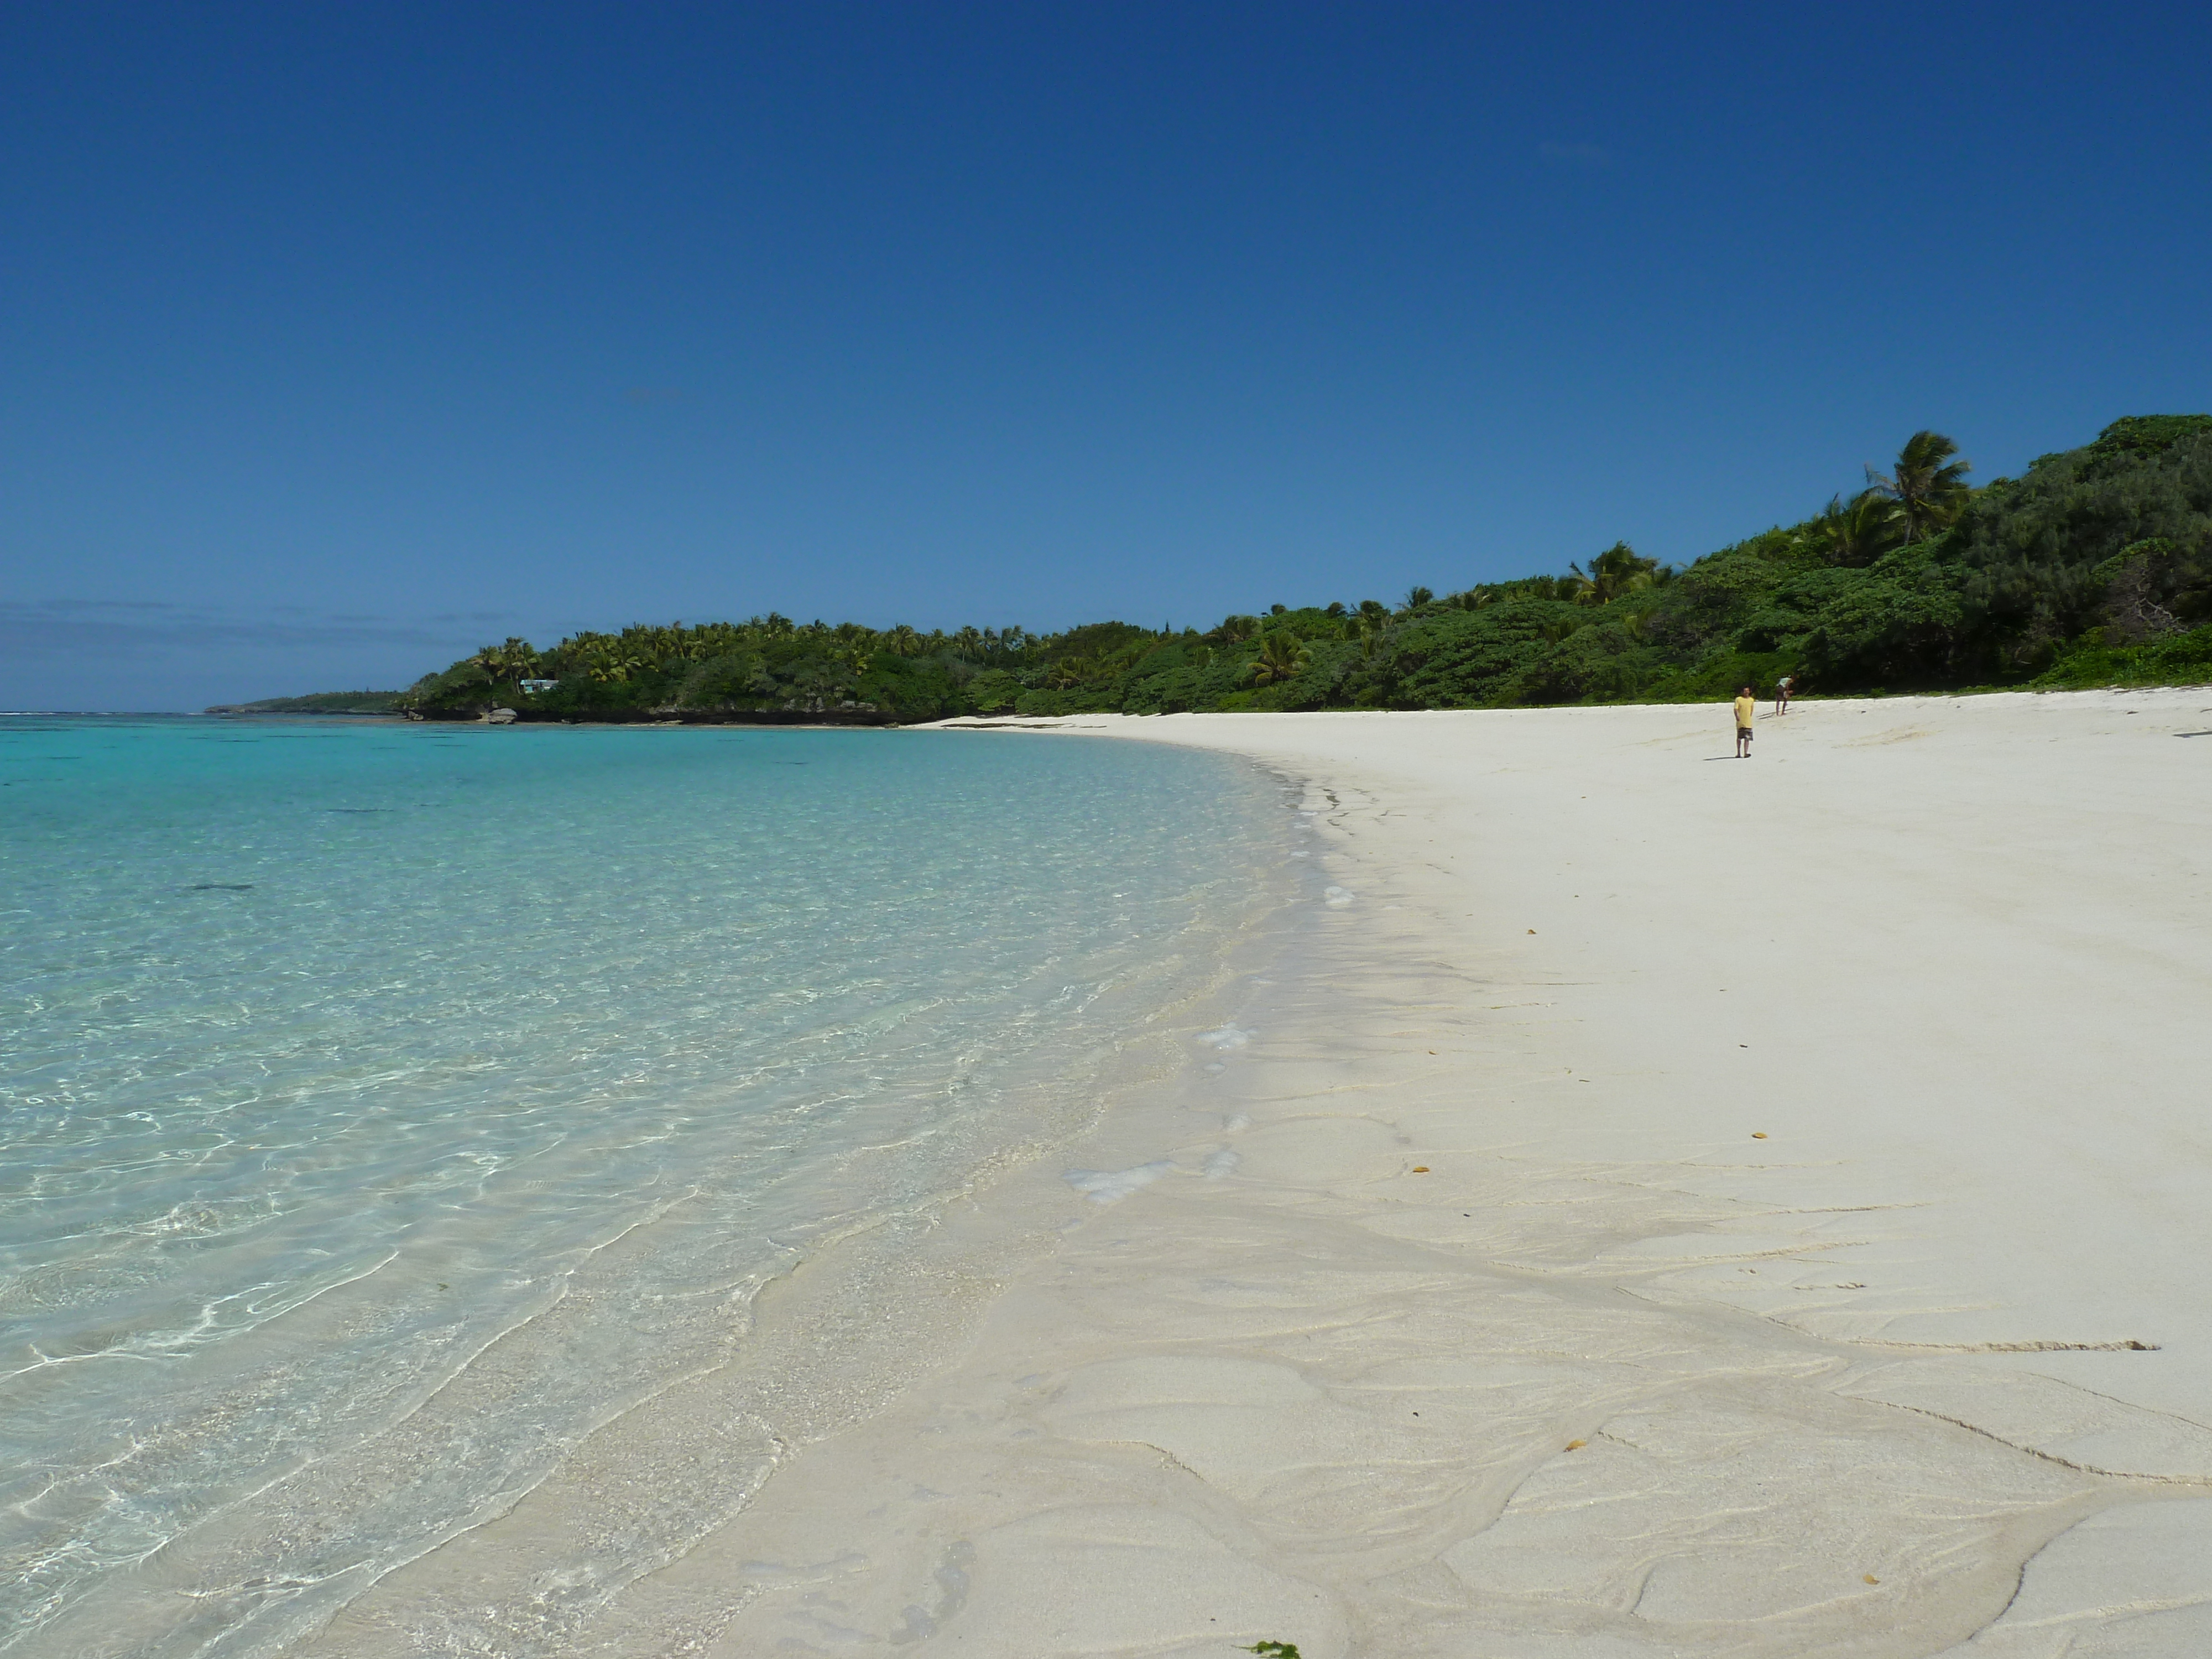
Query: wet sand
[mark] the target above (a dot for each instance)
(1652, 1204)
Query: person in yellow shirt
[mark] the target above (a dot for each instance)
(1747, 707)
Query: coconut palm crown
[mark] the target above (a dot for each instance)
(1282, 656)
(1928, 487)
(1858, 532)
(1618, 571)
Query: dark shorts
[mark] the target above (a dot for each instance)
(1743, 731)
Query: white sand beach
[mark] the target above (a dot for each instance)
(1681, 1207)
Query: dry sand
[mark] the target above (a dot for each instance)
(1673, 1206)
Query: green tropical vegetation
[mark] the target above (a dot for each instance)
(318, 702)
(2093, 568)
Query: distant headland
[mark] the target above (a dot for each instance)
(318, 702)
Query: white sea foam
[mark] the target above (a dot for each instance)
(1337, 897)
(1226, 1037)
(1220, 1163)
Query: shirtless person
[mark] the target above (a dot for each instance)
(1782, 689)
(1746, 710)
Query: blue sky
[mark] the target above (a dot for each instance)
(337, 340)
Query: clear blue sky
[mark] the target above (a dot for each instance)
(336, 340)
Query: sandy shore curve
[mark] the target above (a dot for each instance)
(1669, 1206)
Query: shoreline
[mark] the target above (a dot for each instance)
(857, 1318)
(1663, 1211)
(552, 1373)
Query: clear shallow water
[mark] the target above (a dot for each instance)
(385, 1107)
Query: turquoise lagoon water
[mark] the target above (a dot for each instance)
(385, 1107)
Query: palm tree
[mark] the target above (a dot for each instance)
(1416, 597)
(1928, 487)
(902, 641)
(1613, 573)
(513, 660)
(611, 662)
(1071, 671)
(1858, 532)
(1282, 655)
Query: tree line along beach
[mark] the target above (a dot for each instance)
(2093, 568)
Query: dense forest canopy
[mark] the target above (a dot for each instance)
(2093, 568)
